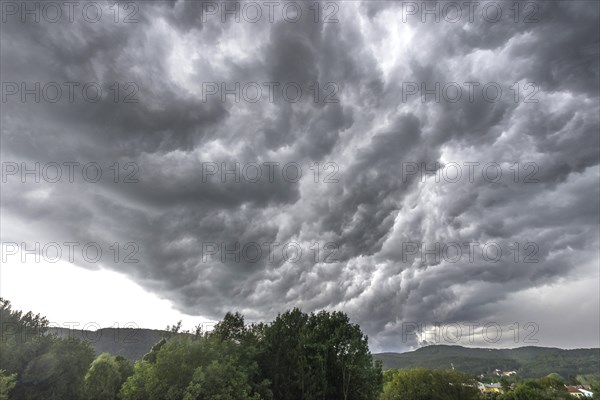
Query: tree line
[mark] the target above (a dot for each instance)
(436, 384)
(318, 356)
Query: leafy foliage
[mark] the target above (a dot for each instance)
(7, 383)
(546, 388)
(298, 356)
(426, 384)
(46, 367)
(105, 377)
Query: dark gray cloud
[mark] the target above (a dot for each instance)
(367, 204)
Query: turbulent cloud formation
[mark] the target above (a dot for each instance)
(363, 122)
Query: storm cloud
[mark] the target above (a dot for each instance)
(368, 133)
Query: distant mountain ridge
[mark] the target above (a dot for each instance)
(130, 343)
(528, 361)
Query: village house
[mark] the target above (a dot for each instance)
(489, 387)
(580, 391)
(499, 372)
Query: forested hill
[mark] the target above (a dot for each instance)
(528, 361)
(127, 342)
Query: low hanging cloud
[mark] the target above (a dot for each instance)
(364, 157)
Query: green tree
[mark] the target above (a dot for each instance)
(7, 383)
(344, 352)
(125, 369)
(23, 338)
(231, 328)
(47, 367)
(296, 357)
(178, 364)
(427, 384)
(142, 385)
(286, 364)
(319, 356)
(58, 373)
(547, 388)
(221, 380)
(104, 378)
(524, 392)
(151, 355)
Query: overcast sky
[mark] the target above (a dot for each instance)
(365, 101)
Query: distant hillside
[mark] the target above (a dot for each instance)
(127, 342)
(528, 361)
